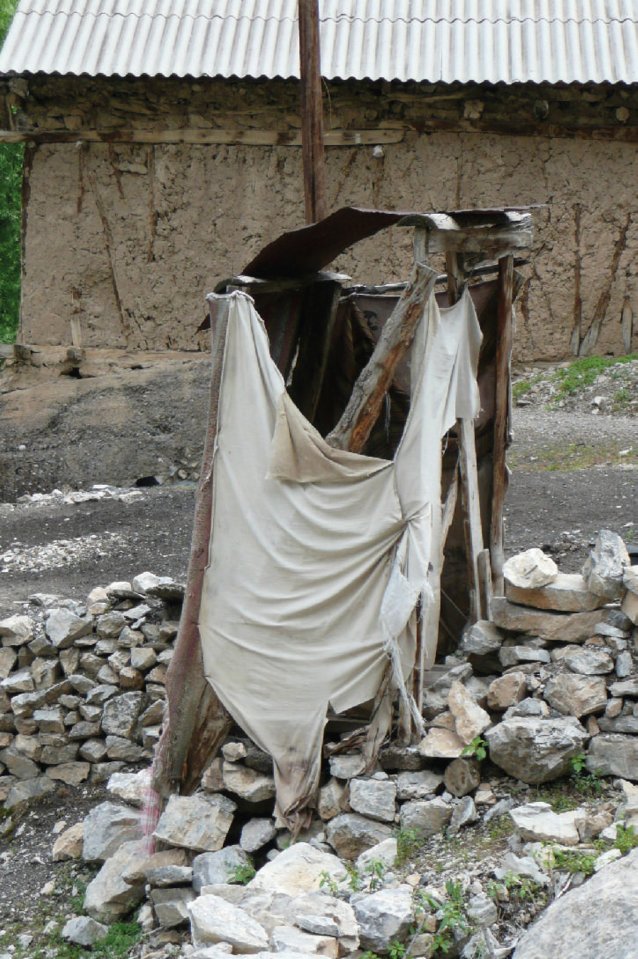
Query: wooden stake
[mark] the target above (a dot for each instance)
(501, 416)
(364, 405)
(314, 174)
(471, 511)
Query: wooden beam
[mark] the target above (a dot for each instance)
(196, 719)
(364, 405)
(314, 167)
(501, 416)
(287, 138)
(471, 512)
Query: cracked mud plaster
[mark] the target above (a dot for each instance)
(130, 238)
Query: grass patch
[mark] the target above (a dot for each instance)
(583, 373)
(572, 456)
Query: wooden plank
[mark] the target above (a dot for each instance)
(485, 581)
(319, 312)
(290, 138)
(501, 417)
(364, 406)
(471, 511)
(314, 165)
(197, 721)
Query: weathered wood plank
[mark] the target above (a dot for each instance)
(314, 165)
(364, 406)
(501, 416)
(471, 512)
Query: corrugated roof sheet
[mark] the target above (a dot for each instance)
(555, 41)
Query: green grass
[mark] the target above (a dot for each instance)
(583, 373)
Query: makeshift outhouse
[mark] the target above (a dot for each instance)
(349, 516)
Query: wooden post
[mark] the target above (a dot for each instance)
(196, 720)
(364, 405)
(314, 174)
(501, 416)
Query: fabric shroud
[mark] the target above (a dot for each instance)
(318, 557)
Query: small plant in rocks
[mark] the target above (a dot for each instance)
(242, 874)
(586, 783)
(328, 883)
(626, 838)
(452, 922)
(408, 842)
(573, 861)
(477, 749)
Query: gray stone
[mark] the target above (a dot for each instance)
(384, 917)
(537, 822)
(535, 750)
(463, 814)
(22, 793)
(18, 764)
(515, 655)
(554, 627)
(374, 799)
(628, 687)
(55, 755)
(119, 748)
(50, 720)
(417, 785)
(622, 724)
(162, 877)
(199, 822)
(246, 783)
(21, 681)
(110, 625)
(171, 906)
(521, 866)
(256, 834)
(63, 627)
(211, 868)
(598, 919)
(462, 776)
(396, 756)
(93, 750)
(624, 664)
(333, 799)
(108, 896)
(589, 661)
(70, 773)
(131, 788)
(84, 931)
(469, 719)
(291, 939)
(426, 817)
(215, 920)
(506, 690)
(16, 630)
(568, 593)
(84, 730)
(106, 828)
(481, 639)
(612, 754)
(575, 695)
(347, 765)
(482, 910)
(528, 707)
(604, 568)
(121, 714)
(8, 657)
(530, 570)
(440, 743)
(350, 834)
(299, 869)
(101, 694)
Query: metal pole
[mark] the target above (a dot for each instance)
(314, 175)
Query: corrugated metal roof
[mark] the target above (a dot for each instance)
(431, 40)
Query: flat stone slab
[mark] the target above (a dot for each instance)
(554, 627)
(197, 822)
(614, 754)
(568, 593)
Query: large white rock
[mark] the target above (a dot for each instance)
(575, 695)
(605, 566)
(568, 593)
(130, 787)
(469, 719)
(426, 817)
(612, 754)
(106, 828)
(63, 627)
(555, 627)
(216, 867)
(598, 920)
(533, 749)
(247, 783)
(108, 896)
(384, 917)
(530, 570)
(256, 834)
(537, 822)
(84, 931)
(16, 630)
(439, 743)
(198, 822)
(297, 870)
(350, 834)
(374, 798)
(215, 920)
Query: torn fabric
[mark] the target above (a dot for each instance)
(318, 556)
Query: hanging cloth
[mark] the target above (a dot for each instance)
(318, 556)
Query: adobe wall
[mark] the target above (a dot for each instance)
(128, 237)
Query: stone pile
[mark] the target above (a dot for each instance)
(82, 684)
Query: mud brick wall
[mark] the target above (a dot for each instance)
(128, 237)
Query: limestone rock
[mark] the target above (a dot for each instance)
(350, 834)
(514, 655)
(588, 661)
(397, 756)
(463, 813)
(69, 843)
(210, 868)
(171, 906)
(139, 871)
(384, 917)
(347, 765)
(246, 783)
(537, 822)
(555, 627)
(598, 919)
(121, 714)
(199, 822)
(469, 719)
(70, 773)
(630, 606)
(22, 793)
(441, 744)
(373, 798)
(575, 695)
(106, 828)
(288, 938)
(506, 690)
(385, 852)
(612, 754)
(426, 817)
(298, 870)
(462, 776)
(84, 931)
(481, 639)
(108, 896)
(256, 834)
(417, 785)
(603, 570)
(16, 630)
(530, 570)
(18, 764)
(8, 657)
(535, 750)
(324, 915)
(63, 627)
(333, 799)
(131, 788)
(568, 593)
(215, 920)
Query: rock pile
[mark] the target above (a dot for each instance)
(82, 684)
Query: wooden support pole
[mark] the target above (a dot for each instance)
(364, 405)
(501, 416)
(314, 174)
(471, 512)
(196, 720)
